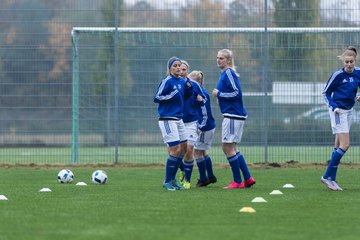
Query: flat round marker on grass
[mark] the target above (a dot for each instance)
(276, 192)
(247, 210)
(45, 190)
(3, 198)
(259, 200)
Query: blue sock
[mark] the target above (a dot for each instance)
(181, 163)
(234, 163)
(178, 163)
(170, 166)
(209, 168)
(333, 173)
(243, 166)
(202, 168)
(334, 162)
(188, 167)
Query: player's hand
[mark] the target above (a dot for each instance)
(358, 98)
(199, 98)
(215, 92)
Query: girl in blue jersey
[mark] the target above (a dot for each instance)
(170, 95)
(206, 129)
(190, 120)
(340, 94)
(229, 95)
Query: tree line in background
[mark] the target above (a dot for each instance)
(36, 54)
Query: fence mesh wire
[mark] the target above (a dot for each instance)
(286, 112)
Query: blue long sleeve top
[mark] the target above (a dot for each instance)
(206, 120)
(341, 88)
(170, 95)
(190, 108)
(230, 95)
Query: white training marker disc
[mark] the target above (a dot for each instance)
(258, 200)
(247, 210)
(45, 190)
(2, 197)
(288, 185)
(276, 192)
(81, 184)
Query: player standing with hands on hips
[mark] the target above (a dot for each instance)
(340, 94)
(229, 95)
(170, 95)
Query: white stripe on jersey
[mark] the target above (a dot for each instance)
(199, 86)
(204, 116)
(161, 88)
(232, 81)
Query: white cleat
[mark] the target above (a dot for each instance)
(328, 184)
(335, 184)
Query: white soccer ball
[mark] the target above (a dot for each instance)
(65, 176)
(99, 177)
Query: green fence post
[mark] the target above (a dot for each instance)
(75, 97)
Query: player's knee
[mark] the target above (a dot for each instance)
(175, 151)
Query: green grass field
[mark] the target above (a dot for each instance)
(157, 155)
(133, 205)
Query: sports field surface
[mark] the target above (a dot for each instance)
(133, 205)
(157, 155)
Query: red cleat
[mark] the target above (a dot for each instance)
(234, 184)
(249, 182)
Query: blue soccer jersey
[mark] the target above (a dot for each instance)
(170, 95)
(190, 109)
(341, 88)
(230, 94)
(206, 120)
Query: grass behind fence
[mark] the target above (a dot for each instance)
(133, 205)
(158, 155)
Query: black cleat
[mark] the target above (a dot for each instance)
(212, 180)
(202, 183)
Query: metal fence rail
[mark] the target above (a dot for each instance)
(279, 49)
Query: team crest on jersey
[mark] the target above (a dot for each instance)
(179, 86)
(351, 79)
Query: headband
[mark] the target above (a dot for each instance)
(172, 61)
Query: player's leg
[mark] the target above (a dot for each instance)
(205, 141)
(229, 140)
(230, 151)
(340, 123)
(248, 179)
(183, 143)
(170, 133)
(191, 130)
(201, 164)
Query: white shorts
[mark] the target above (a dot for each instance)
(232, 130)
(192, 132)
(205, 139)
(341, 122)
(173, 131)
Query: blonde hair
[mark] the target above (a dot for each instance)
(349, 51)
(197, 76)
(186, 63)
(228, 54)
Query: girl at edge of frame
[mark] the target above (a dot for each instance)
(170, 95)
(229, 95)
(206, 129)
(340, 94)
